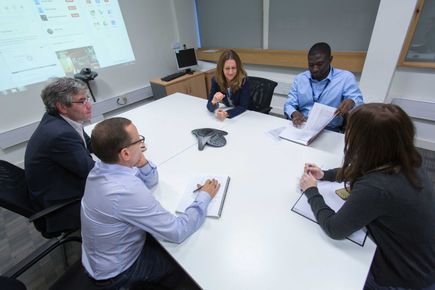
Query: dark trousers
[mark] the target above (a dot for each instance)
(154, 269)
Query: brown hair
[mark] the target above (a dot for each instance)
(235, 83)
(379, 137)
(108, 137)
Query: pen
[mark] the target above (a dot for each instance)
(198, 189)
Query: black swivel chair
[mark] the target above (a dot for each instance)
(261, 92)
(14, 196)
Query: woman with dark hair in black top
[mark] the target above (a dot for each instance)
(390, 194)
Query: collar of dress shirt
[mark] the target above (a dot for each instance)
(76, 125)
(328, 77)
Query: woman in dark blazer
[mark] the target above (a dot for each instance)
(229, 87)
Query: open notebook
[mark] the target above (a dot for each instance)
(333, 195)
(216, 204)
(319, 117)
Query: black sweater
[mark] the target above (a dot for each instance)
(400, 219)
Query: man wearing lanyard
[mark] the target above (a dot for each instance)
(323, 84)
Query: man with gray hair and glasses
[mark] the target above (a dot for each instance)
(57, 158)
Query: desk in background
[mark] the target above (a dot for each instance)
(192, 84)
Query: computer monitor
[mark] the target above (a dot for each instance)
(186, 59)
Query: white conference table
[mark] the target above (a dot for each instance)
(167, 124)
(258, 243)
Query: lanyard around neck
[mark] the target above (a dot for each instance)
(229, 97)
(323, 90)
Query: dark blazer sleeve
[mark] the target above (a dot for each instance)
(214, 89)
(241, 100)
(70, 153)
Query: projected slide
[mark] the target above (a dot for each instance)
(40, 39)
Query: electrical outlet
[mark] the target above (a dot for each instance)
(122, 100)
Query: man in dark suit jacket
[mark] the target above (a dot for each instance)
(57, 159)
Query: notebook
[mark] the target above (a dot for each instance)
(334, 196)
(216, 204)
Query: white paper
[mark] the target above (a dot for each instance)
(319, 117)
(274, 133)
(215, 207)
(327, 190)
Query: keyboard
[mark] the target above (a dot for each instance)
(171, 77)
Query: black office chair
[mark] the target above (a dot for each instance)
(14, 196)
(261, 92)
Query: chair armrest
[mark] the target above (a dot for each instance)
(40, 253)
(53, 208)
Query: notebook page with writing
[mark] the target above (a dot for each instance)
(216, 204)
(328, 191)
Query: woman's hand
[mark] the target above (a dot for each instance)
(221, 114)
(314, 170)
(217, 98)
(307, 181)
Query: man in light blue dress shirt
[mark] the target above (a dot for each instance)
(119, 212)
(324, 84)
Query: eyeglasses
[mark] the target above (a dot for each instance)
(141, 140)
(82, 101)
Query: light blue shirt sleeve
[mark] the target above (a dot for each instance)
(144, 211)
(149, 174)
(351, 90)
(291, 104)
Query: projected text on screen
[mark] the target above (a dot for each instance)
(40, 39)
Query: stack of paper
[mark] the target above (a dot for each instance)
(319, 117)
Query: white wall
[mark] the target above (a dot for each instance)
(185, 16)
(417, 85)
(386, 42)
(413, 84)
